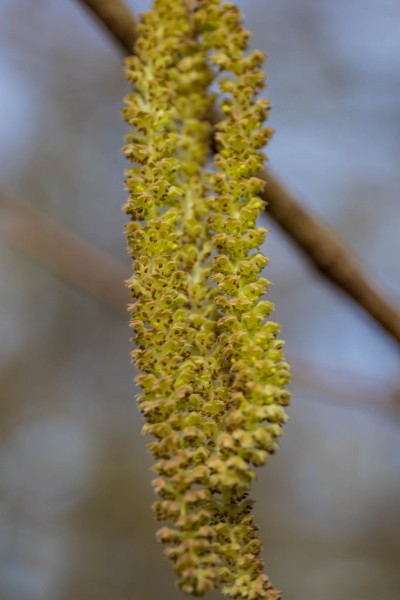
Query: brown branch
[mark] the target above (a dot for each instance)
(117, 19)
(63, 252)
(318, 243)
(328, 254)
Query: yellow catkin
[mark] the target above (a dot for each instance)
(212, 370)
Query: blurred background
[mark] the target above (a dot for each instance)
(75, 493)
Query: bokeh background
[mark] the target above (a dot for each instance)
(75, 493)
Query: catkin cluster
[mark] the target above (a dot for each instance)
(212, 371)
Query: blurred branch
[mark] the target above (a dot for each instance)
(316, 241)
(117, 19)
(63, 252)
(94, 272)
(328, 254)
(336, 384)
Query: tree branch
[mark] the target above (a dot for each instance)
(328, 254)
(117, 19)
(63, 252)
(317, 242)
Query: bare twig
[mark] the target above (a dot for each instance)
(63, 252)
(117, 19)
(329, 255)
(317, 242)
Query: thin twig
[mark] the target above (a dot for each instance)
(63, 252)
(329, 255)
(319, 244)
(117, 19)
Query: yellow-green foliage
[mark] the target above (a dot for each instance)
(213, 372)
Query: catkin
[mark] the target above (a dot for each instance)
(212, 371)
